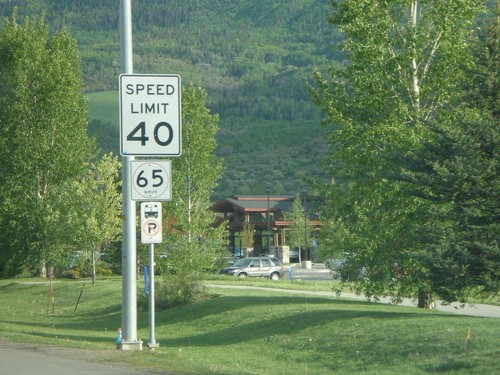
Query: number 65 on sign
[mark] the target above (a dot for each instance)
(151, 180)
(150, 115)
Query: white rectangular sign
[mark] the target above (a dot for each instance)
(151, 226)
(150, 115)
(151, 180)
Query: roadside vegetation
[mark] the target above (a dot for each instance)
(253, 332)
(410, 137)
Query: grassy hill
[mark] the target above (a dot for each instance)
(253, 57)
(253, 332)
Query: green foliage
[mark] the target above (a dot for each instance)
(173, 291)
(484, 80)
(456, 173)
(300, 231)
(248, 235)
(197, 173)
(192, 244)
(95, 197)
(406, 61)
(43, 140)
(70, 274)
(252, 58)
(103, 271)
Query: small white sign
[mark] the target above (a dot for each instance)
(151, 180)
(150, 115)
(151, 227)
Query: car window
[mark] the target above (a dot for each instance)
(255, 263)
(266, 263)
(244, 262)
(276, 261)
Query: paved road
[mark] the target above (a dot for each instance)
(24, 359)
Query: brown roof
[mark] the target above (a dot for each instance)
(254, 203)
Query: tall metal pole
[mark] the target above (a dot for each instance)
(268, 224)
(152, 341)
(129, 265)
(305, 225)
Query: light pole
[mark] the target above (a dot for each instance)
(268, 223)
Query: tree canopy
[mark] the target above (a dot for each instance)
(43, 136)
(407, 61)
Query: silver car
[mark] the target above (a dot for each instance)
(270, 267)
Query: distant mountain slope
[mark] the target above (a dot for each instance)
(252, 56)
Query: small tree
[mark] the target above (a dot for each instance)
(300, 230)
(95, 201)
(194, 244)
(247, 235)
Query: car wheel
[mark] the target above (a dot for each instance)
(242, 275)
(275, 276)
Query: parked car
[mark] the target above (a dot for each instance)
(231, 260)
(256, 267)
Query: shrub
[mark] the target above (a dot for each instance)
(174, 290)
(71, 274)
(103, 271)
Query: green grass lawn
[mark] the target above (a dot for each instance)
(256, 331)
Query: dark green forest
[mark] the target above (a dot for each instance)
(253, 57)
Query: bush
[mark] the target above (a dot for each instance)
(71, 274)
(174, 290)
(103, 271)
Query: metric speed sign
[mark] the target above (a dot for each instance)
(151, 180)
(150, 115)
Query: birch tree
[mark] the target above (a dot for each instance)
(405, 63)
(194, 243)
(300, 230)
(93, 205)
(457, 171)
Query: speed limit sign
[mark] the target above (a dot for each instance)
(150, 115)
(151, 180)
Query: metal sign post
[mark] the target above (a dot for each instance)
(152, 344)
(129, 265)
(150, 125)
(151, 233)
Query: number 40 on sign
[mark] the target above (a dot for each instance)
(150, 115)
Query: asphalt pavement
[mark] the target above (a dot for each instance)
(22, 359)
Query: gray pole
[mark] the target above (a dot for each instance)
(152, 341)
(129, 266)
(305, 226)
(268, 224)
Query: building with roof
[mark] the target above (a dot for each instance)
(266, 213)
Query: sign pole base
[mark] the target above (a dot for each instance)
(133, 346)
(153, 346)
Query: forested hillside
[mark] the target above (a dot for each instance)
(253, 57)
